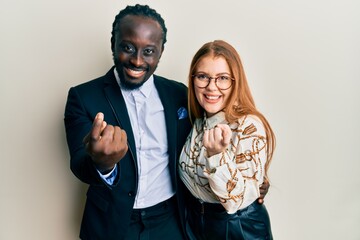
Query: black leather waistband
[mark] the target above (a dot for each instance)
(204, 207)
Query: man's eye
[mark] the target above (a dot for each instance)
(128, 48)
(148, 52)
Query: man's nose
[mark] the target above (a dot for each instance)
(136, 59)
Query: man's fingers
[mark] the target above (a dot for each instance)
(263, 191)
(108, 133)
(97, 128)
(119, 135)
(264, 188)
(103, 126)
(120, 139)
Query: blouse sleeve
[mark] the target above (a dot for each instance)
(235, 174)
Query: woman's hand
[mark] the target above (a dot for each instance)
(216, 140)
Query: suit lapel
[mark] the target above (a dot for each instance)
(118, 106)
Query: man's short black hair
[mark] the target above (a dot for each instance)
(137, 10)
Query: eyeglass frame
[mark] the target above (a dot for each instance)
(215, 78)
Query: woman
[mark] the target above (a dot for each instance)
(228, 152)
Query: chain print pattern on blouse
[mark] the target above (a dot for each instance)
(247, 161)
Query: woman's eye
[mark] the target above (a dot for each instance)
(224, 78)
(202, 76)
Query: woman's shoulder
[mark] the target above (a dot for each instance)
(250, 124)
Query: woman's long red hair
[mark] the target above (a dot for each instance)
(240, 99)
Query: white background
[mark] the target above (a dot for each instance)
(302, 59)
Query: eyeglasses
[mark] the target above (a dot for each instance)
(223, 82)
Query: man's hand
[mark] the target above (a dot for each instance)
(217, 139)
(106, 144)
(264, 188)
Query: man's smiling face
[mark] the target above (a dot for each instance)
(138, 48)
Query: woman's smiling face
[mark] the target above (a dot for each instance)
(211, 98)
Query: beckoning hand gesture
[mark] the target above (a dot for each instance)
(106, 144)
(217, 139)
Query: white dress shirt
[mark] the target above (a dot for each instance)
(147, 118)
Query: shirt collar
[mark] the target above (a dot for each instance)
(212, 121)
(145, 89)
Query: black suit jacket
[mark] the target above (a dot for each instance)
(108, 208)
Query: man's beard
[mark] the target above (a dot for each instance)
(126, 84)
(130, 85)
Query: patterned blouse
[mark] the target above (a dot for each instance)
(232, 177)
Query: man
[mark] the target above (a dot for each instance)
(125, 131)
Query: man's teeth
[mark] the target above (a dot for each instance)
(136, 71)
